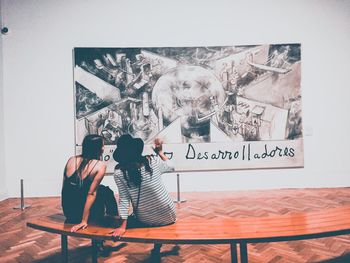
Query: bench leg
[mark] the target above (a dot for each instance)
(94, 251)
(234, 253)
(64, 248)
(243, 252)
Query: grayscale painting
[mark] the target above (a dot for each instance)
(192, 95)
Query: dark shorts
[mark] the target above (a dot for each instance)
(105, 204)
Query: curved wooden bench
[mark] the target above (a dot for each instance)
(233, 231)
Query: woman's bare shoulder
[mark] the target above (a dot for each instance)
(73, 161)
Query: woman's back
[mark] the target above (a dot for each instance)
(155, 206)
(89, 169)
(76, 186)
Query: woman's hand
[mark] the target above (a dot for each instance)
(158, 145)
(158, 149)
(81, 226)
(118, 232)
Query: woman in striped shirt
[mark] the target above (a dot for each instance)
(139, 182)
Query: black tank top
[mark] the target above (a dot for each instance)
(74, 193)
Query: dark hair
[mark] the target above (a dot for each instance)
(92, 149)
(130, 160)
(92, 146)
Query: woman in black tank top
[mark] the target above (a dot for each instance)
(83, 198)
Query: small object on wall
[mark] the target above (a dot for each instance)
(5, 30)
(22, 206)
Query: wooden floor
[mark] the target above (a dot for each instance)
(21, 244)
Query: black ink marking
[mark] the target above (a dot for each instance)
(274, 152)
(229, 155)
(264, 155)
(248, 151)
(243, 153)
(291, 152)
(214, 156)
(169, 155)
(190, 149)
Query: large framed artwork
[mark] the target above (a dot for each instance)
(215, 108)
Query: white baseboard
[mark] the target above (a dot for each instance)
(3, 196)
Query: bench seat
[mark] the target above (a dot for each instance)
(233, 231)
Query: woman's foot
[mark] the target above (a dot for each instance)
(101, 249)
(99, 245)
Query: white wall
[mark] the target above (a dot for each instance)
(3, 191)
(38, 86)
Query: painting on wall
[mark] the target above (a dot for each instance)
(226, 107)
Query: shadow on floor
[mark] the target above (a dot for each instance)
(154, 258)
(341, 259)
(80, 254)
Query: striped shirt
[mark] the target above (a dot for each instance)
(155, 208)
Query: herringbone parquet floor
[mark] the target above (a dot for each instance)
(21, 244)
